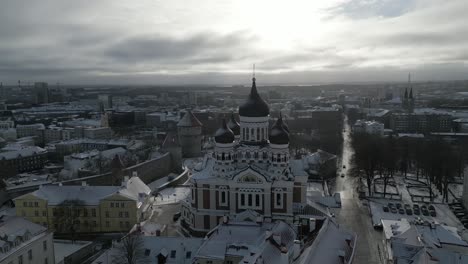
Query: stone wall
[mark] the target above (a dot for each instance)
(148, 171)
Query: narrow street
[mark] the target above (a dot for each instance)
(354, 214)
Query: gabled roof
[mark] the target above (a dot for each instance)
(189, 120)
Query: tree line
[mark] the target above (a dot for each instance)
(433, 159)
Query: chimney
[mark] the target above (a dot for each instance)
(83, 183)
(284, 255)
(342, 255)
(259, 220)
(60, 184)
(134, 174)
(126, 178)
(225, 219)
(312, 224)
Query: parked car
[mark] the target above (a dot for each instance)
(391, 205)
(393, 210)
(401, 211)
(431, 208)
(385, 208)
(416, 209)
(398, 205)
(424, 210)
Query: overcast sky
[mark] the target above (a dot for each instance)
(216, 41)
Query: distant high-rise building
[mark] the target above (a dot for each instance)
(2, 91)
(41, 93)
(192, 98)
(105, 101)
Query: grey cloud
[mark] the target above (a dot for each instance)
(360, 9)
(200, 48)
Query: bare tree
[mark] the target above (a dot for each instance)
(66, 217)
(131, 250)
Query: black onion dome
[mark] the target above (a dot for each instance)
(278, 134)
(224, 134)
(233, 125)
(255, 106)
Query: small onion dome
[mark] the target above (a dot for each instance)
(233, 125)
(255, 106)
(224, 135)
(278, 134)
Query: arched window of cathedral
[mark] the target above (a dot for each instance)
(222, 157)
(252, 136)
(248, 155)
(258, 133)
(278, 157)
(265, 155)
(256, 155)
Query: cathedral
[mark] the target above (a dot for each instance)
(249, 175)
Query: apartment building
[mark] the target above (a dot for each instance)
(87, 209)
(23, 242)
(22, 160)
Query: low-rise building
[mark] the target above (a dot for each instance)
(23, 159)
(24, 242)
(422, 242)
(420, 122)
(87, 208)
(248, 242)
(368, 127)
(29, 130)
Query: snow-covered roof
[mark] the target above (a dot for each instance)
(14, 227)
(133, 188)
(329, 244)
(23, 152)
(249, 241)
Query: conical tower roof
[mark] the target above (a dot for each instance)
(189, 120)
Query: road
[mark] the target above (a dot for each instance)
(354, 214)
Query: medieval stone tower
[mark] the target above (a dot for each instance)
(189, 130)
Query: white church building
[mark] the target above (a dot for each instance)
(249, 175)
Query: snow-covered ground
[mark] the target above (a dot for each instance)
(64, 248)
(172, 195)
(155, 185)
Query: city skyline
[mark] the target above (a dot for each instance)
(216, 42)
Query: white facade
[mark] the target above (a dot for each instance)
(25, 242)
